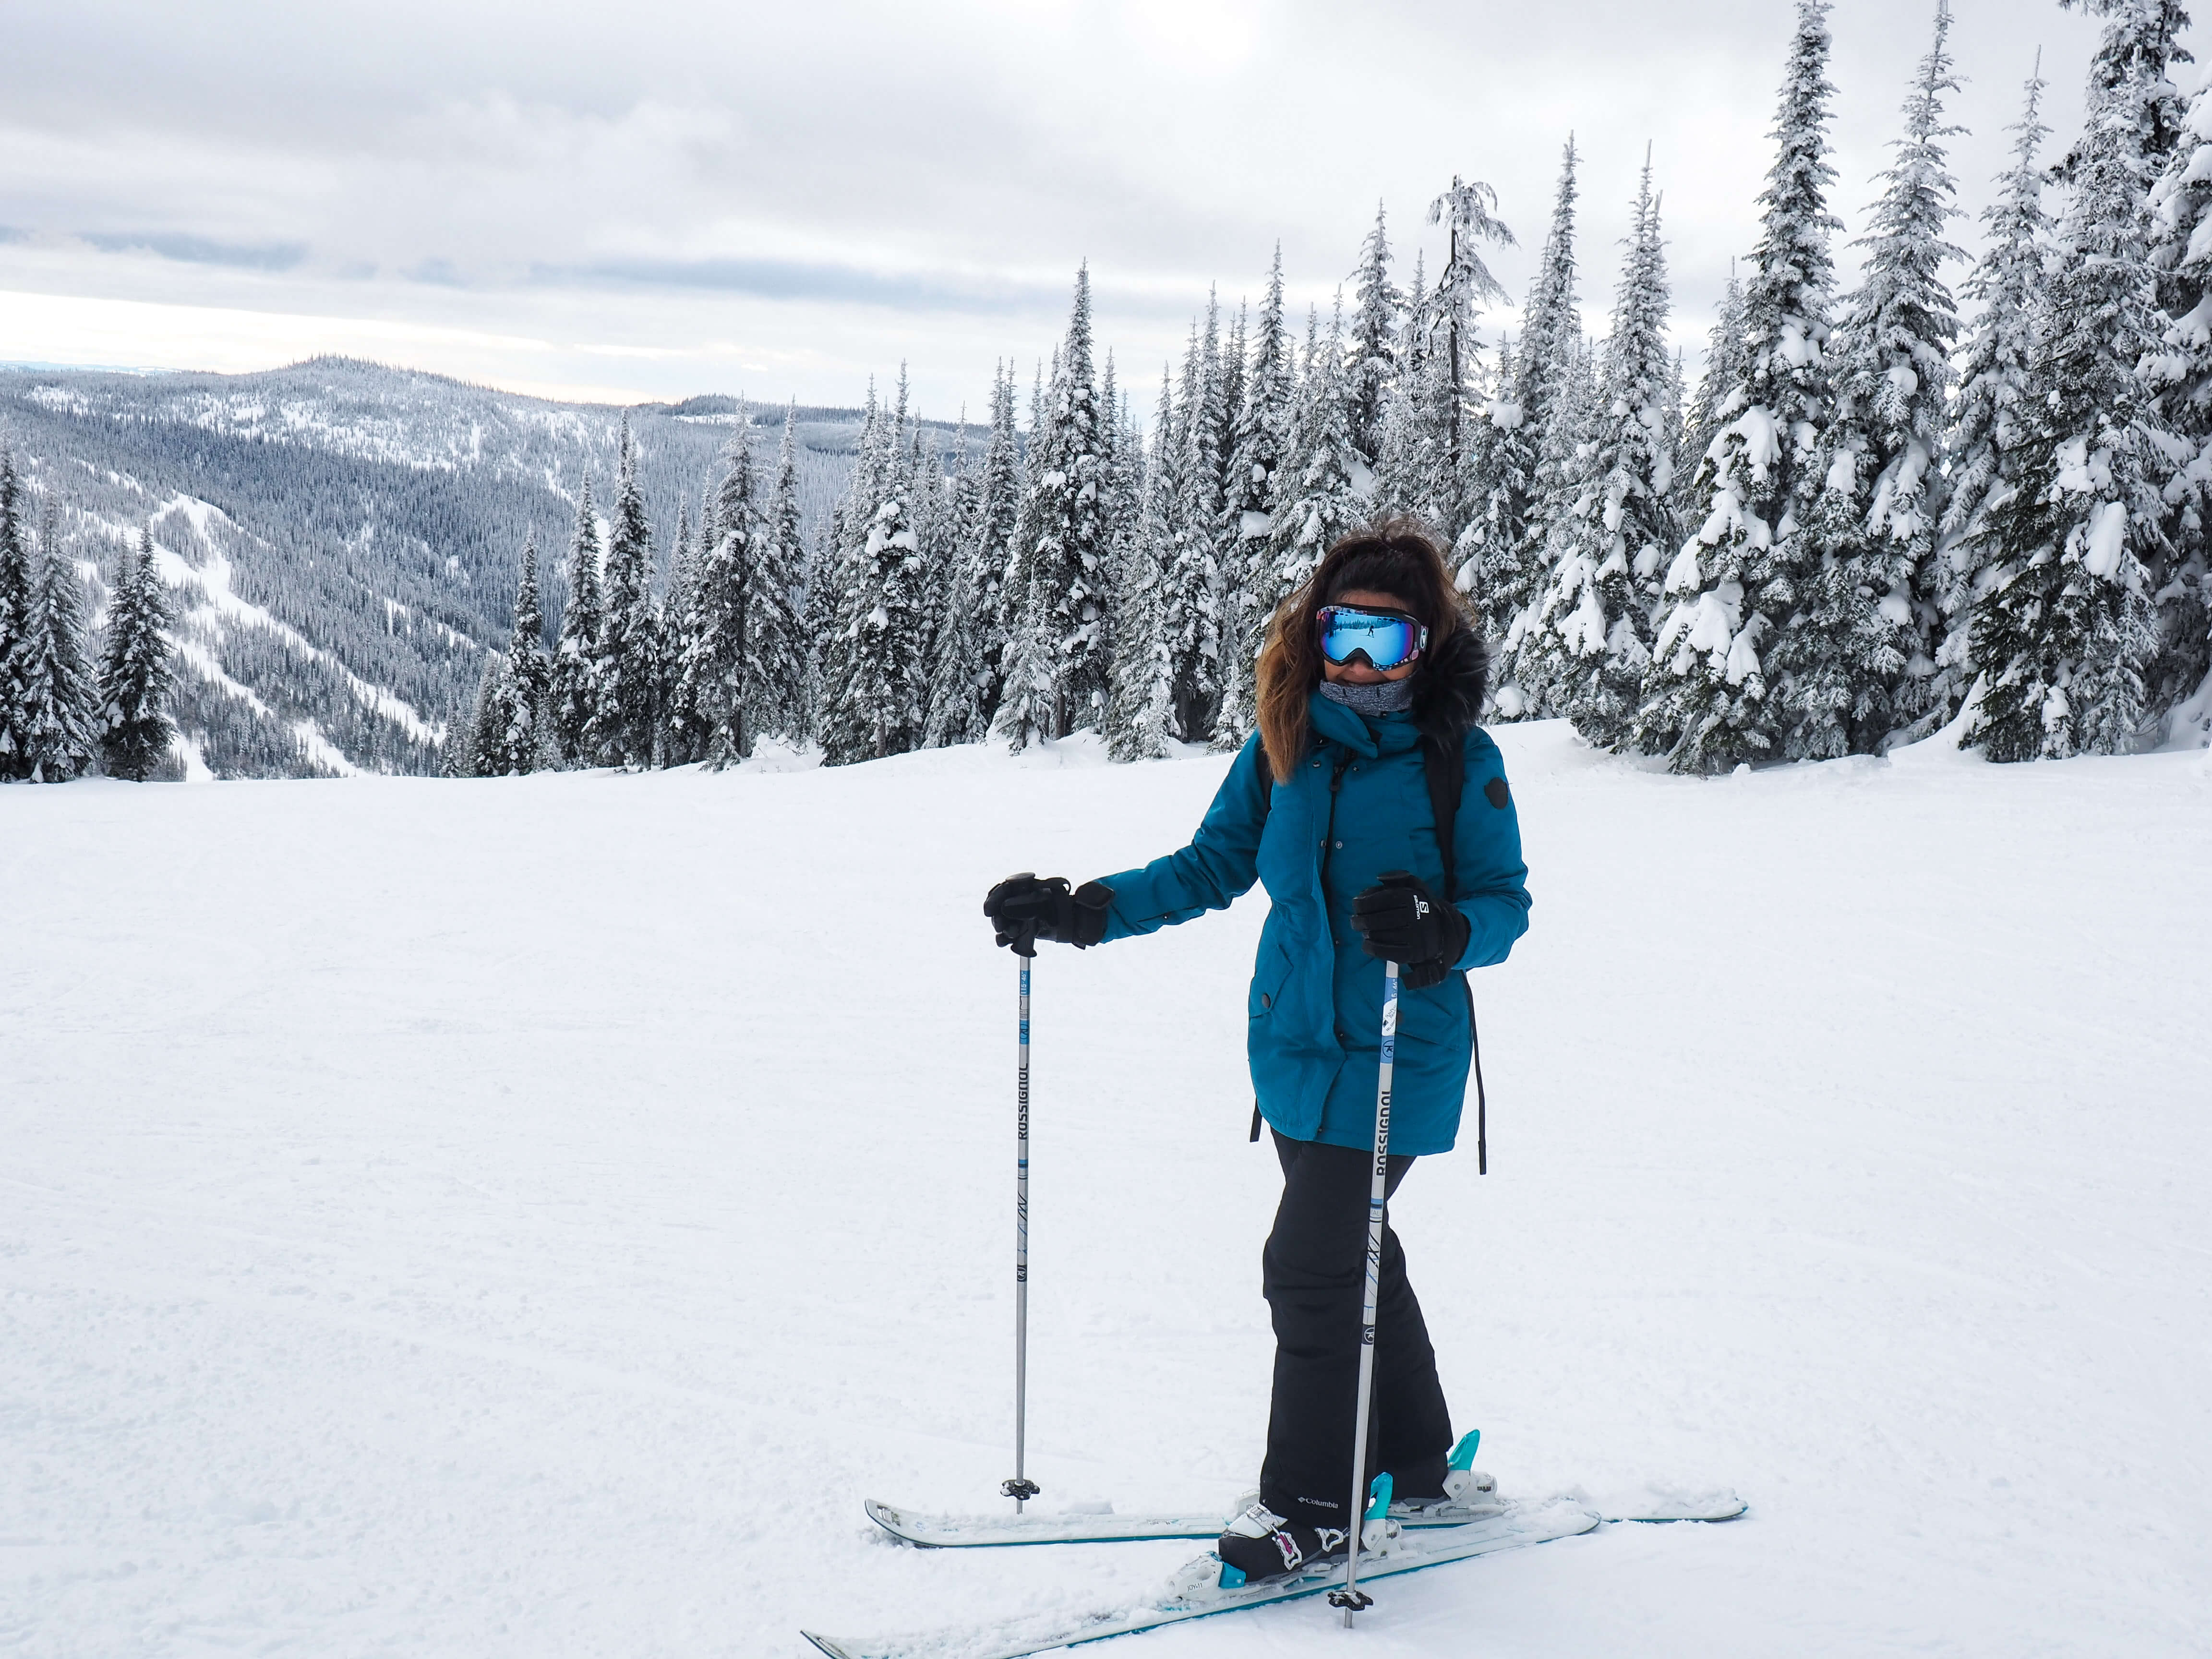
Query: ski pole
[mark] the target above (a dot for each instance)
(1021, 1488)
(1350, 1597)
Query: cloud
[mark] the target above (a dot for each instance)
(198, 250)
(813, 191)
(912, 290)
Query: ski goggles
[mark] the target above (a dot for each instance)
(1388, 639)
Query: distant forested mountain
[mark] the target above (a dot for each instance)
(342, 538)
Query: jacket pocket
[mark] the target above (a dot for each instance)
(1269, 975)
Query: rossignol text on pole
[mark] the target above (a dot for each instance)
(1350, 1597)
(1021, 1488)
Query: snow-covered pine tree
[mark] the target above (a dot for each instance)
(135, 672)
(576, 653)
(960, 483)
(1403, 445)
(928, 504)
(1858, 660)
(2067, 634)
(1120, 494)
(1441, 463)
(1502, 462)
(1453, 346)
(1993, 413)
(1124, 492)
(682, 736)
(452, 738)
(2181, 375)
(775, 641)
(963, 679)
(818, 616)
(714, 678)
(627, 715)
(1377, 306)
(1728, 366)
(1235, 367)
(1000, 483)
(512, 736)
(884, 697)
(952, 717)
(1710, 705)
(1512, 581)
(834, 588)
(1592, 643)
(1190, 592)
(16, 586)
(1142, 712)
(1015, 617)
(59, 709)
(482, 752)
(1552, 318)
(1317, 500)
(1056, 677)
(1676, 409)
(1260, 436)
(702, 542)
(1566, 493)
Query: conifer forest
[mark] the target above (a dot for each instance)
(1968, 491)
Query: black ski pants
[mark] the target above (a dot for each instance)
(1314, 1270)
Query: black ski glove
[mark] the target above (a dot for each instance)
(1400, 921)
(1024, 908)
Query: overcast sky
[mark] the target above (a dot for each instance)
(659, 199)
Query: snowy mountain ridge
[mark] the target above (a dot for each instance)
(342, 538)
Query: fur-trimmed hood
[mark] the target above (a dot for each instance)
(1449, 690)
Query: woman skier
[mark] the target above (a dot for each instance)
(1369, 682)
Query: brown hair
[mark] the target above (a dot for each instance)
(1394, 554)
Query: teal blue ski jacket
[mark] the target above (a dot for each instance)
(1315, 1005)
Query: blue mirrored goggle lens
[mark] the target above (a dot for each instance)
(1387, 640)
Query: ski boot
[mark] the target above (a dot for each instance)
(1260, 1545)
(1451, 1492)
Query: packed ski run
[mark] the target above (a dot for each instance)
(532, 1217)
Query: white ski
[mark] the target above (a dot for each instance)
(1196, 1592)
(946, 1532)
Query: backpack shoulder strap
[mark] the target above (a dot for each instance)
(1445, 763)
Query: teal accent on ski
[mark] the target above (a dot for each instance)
(1462, 1454)
(1231, 1577)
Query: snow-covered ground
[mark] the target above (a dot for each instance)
(525, 1218)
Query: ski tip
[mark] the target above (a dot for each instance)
(1659, 1507)
(828, 1645)
(893, 1522)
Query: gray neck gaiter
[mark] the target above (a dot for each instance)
(1380, 697)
